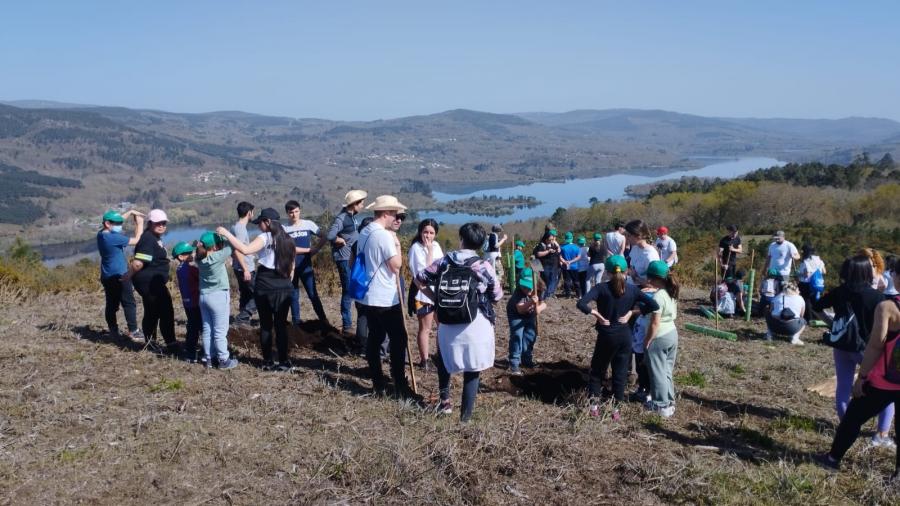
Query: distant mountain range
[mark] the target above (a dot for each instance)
(177, 160)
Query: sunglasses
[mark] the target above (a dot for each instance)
(160, 223)
(400, 216)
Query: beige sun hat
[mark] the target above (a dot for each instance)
(354, 196)
(386, 203)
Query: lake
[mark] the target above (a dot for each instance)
(574, 192)
(578, 192)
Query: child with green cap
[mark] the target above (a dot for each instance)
(215, 298)
(615, 303)
(596, 256)
(519, 258)
(570, 254)
(582, 264)
(188, 277)
(521, 310)
(660, 345)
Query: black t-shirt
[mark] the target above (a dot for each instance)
(729, 256)
(597, 253)
(151, 252)
(514, 299)
(549, 262)
(492, 242)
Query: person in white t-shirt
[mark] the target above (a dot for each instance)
(615, 240)
(380, 248)
(805, 271)
(781, 255)
(668, 250)
(787, 315)
(642, 251)
(422, 253)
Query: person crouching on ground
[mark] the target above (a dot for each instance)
(463, 346)
(661, 339)
(215, 299)
(786, 317)
(878, 385)
(272, 292)
(521, 310)
(614, 301)
(188, 277)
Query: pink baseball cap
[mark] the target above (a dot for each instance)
(157, 215)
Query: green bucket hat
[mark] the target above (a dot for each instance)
(182, 248)
(616, 263)
(519, 243)
(525, 279)
(113, 217)
(581, 240)
(568, 237)
(597, 236)
(658, 269)
(210, 239)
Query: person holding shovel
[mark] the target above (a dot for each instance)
(522, 310)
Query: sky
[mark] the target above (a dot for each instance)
(365, 60)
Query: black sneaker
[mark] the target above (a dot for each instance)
(827, 463)
(286, 366)
(269, 366)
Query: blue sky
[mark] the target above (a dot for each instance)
(367, 59)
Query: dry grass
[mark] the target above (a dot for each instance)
(85, 420)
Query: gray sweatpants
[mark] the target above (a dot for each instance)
(660, 362)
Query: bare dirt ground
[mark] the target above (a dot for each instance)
(87, 420)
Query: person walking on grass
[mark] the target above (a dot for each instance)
(614, 303)
(547, 252)
(423, 252)
(381, 302)
(111, 244)
(596, 257)
(570, 254)
(215, 299)
(877, 388)
(661, 339)
(637, 233)
(302, 232)
(781, 255)
(521, 311)
(244, 266)
(342, 235)
(464, 346)
(665, 245)
(730, 248)
(188, 276)
(276, 252)
(150, 274)
(788, 314)
(855, 299)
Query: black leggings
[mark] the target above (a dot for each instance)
(470, 387)
(614, 350)
(273, 307)
(119, 293)
(861, 410)
(643, 373)
(158, 310)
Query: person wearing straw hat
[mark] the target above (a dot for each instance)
(521, 311)
(150, 274)
(111, 244)
(343, 236)
(381, 303)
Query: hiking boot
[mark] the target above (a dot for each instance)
(879, 441)
(231, 363)
(515, 371)
(444, 407)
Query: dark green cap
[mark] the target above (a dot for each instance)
(597, 236)
(658, 269)
(210, 239)
(519, 243)
(581, 240)
(182, 248)
(526, 279)
(113, 217)
(616, 263)
(568, 237)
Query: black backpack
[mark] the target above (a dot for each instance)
(457, 295)
(844, 333)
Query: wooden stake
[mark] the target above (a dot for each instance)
(412, 372)
(537, 318)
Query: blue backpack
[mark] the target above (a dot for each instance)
(359, 282)
(817, 281)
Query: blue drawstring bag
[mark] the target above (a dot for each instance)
(359, 282)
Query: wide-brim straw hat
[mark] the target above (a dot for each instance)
(354, 196)
(386, 203)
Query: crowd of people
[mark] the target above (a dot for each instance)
(624, 278)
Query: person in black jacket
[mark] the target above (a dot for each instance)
(855, 295)
(615, 306)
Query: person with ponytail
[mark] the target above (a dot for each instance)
(273, 283)
(661, 339)
(615, 302)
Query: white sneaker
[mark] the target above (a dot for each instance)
(797, 342)
(879, 441)
(667, 412)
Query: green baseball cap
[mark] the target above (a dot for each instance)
(773, 272)
(616, 263)
(569, 236)
(526, 279)
(182, 248)
(519, 243)
(552, 231)
(658, 269)
(210, 239)
(113, 217)
(597, 236)
(581, 240)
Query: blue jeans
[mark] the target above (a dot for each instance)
(551, 280)
(215, 308)
(343, 267)
(845, 363)
(522, 335)
(308, 279)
